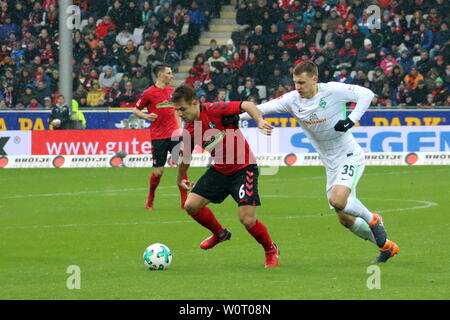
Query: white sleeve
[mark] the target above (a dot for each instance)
(273, 106)
(353, 93)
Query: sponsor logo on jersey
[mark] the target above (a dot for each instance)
(314, 119)
(209, 145)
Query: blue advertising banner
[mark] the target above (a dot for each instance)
(123, 119)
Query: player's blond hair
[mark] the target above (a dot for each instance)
(307, 67)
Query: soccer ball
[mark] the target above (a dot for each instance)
(157, 257)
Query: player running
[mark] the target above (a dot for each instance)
(320, 109)
(234, 171)
(164, 121)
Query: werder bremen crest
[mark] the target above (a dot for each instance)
(322, 103)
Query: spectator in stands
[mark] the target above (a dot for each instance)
(412, 78)
(440, 93)
(387, 61)
(343, 75)
(139, 81)
(290, 38)
(422, 39)
(132, 15)
(107, 77)
(102, 29)
(34, 105)
(367, 57)
(197, 16)
(217, 61)
(256, 36)
(199, 91)
(396, 76)
(406, 62)
(439, 65)
(95, 96)
(129, 96)
(243, 17)
(231, 92)
(249, 91)
(430, 79)
(80, 93)
(112, 99)
(42, 91)
(441, 37)
(271, 39)
(197, 65)
(424, 64)
(236, 63)
(323, 36)
(347, 54)
(190, 80)
(333, 20)
(250, 68)
(376, 38)
(212, 46)
(117, 14)
(124, 36)
(379, 78)
(211, 92)
(90, 27)
(7, 28)
(419, 95)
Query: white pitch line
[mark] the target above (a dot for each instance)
(425, 204)
(77, 193)
(365, 174)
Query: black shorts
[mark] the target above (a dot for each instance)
(241, 185)
(160, 149)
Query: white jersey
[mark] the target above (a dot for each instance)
(318, 116)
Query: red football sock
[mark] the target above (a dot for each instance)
(260, 233)
(183, 193)
(206, 218)
(154, 182)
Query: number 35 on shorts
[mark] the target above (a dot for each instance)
(348, 170)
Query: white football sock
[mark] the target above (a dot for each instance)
(355, 208)
(362, 230)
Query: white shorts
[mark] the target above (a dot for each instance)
(348, 174)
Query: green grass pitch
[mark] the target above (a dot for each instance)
(51, 219)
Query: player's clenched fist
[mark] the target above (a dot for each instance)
(344, 125)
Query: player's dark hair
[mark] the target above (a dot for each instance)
(160, 68)
(184, 93)
(306, 66)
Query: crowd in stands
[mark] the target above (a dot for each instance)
(403, 56)
(114, 48)
(404, 59)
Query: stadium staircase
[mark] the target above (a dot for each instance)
(220, 29)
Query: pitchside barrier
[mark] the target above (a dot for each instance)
(393, 145)
(124, 119)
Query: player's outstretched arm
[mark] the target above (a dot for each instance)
(272, 106)
(253, 111)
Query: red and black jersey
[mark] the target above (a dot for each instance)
(226, 144)
(158, 101)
